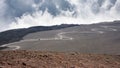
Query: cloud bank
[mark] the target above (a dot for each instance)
(27, 13)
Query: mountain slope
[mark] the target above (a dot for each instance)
(18, 34)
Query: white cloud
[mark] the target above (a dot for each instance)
(83, 12)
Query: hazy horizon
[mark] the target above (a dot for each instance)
(27, 13)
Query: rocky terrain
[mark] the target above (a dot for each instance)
(38, 59)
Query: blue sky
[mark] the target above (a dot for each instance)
(27, 13)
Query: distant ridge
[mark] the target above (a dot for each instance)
(114, 23)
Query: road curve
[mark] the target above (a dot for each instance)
(60, 36)
(97, 31)
(109, 28)
(14, 47)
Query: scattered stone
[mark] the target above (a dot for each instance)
(37, 59)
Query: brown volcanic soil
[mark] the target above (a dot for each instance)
(37, 59)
